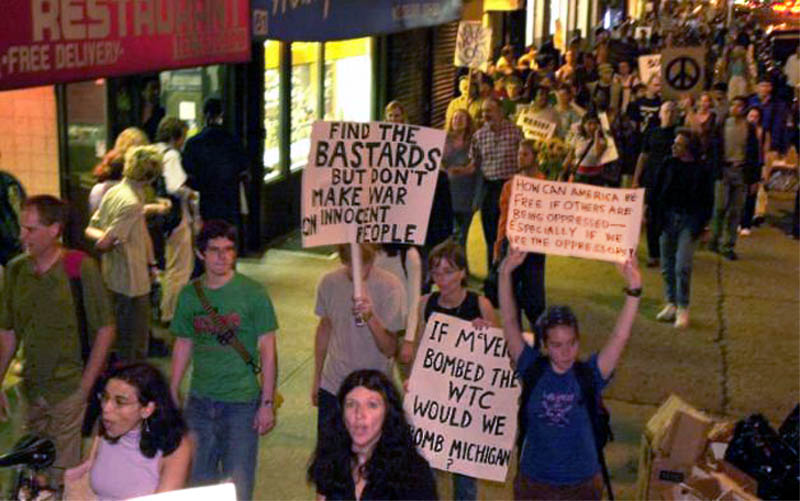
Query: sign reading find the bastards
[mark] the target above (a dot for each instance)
(573, 219)
(462, 399)
(369, 182)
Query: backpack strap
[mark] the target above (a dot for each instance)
(585, 377)
(529, 381)
(72, 262)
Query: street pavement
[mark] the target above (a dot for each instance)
(739, 356)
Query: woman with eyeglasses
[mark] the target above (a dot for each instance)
(142, 446)
(447, 266)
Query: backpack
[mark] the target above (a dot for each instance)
(598, 414)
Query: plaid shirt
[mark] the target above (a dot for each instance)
(495, 153)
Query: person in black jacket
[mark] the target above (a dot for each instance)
(369, 452)
(680, 202)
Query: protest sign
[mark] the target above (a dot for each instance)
(573, 219)
(534, 127)
(682, 71)
(610, 154)
(462, 399)
(649, 66)
(369, 182)
(473, 44)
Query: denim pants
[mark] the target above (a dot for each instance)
(226, 445)
(729, 198)
(677, 249)
(464, 488)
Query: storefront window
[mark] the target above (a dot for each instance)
(345, 90)
(184, 91)
(86, 130)
(272, 110)
(305, 96)
(348, 80)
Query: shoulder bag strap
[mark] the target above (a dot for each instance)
(583, 372)
(72, 262)
(225, 336)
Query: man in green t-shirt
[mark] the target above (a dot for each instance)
(226, 409)
(37, 309)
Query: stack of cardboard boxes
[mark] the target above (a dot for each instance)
(681, 458)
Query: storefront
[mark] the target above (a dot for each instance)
(74, 74)
(329, 61)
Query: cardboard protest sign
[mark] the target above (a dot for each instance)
(369, 182)
(535, 128)
(610, 154)
(682, 71)
(462, 399)
(573, 219)
(649, 66)
(473, 44)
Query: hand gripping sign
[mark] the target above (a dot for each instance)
(573, 219)
(462, 399)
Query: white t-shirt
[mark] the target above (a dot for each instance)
(353, 347)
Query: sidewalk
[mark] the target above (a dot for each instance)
(740, 355)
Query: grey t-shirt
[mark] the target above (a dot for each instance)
(352, 347)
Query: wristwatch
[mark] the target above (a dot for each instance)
(637, 292)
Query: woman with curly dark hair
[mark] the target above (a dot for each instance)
(369, 452)
(142, 446)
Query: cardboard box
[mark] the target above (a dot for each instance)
(660, 431)
(664, 475)
(685, 440)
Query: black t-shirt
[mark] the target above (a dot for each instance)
(657, 145)
(644, 111)
(469, 309)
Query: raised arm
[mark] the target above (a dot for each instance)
(609, 356)
(508, 305)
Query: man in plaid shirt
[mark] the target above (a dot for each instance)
(494, 152)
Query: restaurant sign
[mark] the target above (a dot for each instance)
(53, 41)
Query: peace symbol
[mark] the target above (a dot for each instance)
(683, 73)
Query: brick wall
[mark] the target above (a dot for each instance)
(29, 138)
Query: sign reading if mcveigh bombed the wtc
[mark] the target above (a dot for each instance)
(369, 182)
(462, 399)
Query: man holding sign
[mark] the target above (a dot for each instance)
(354, 332)
(559, 455)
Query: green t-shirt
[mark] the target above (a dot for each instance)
(41, 312)
(219, 372)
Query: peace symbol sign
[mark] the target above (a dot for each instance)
(683, 73)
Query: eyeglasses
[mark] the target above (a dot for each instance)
(118, 401)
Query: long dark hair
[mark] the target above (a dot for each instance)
(165, 426)
(390, 465)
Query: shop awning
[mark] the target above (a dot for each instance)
(320, 20)
(53, 41)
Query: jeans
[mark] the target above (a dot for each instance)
(464, 488)
(728, 204)
(490, 215)
(327, 407)
(226, 443)
(677, 248)
(462, 221)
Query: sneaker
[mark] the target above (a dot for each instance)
(667, 314)
(730, 255)
(682, 318)
(652, 262)
(745, 232)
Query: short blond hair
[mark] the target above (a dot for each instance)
(142, 163)
(130, 137)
